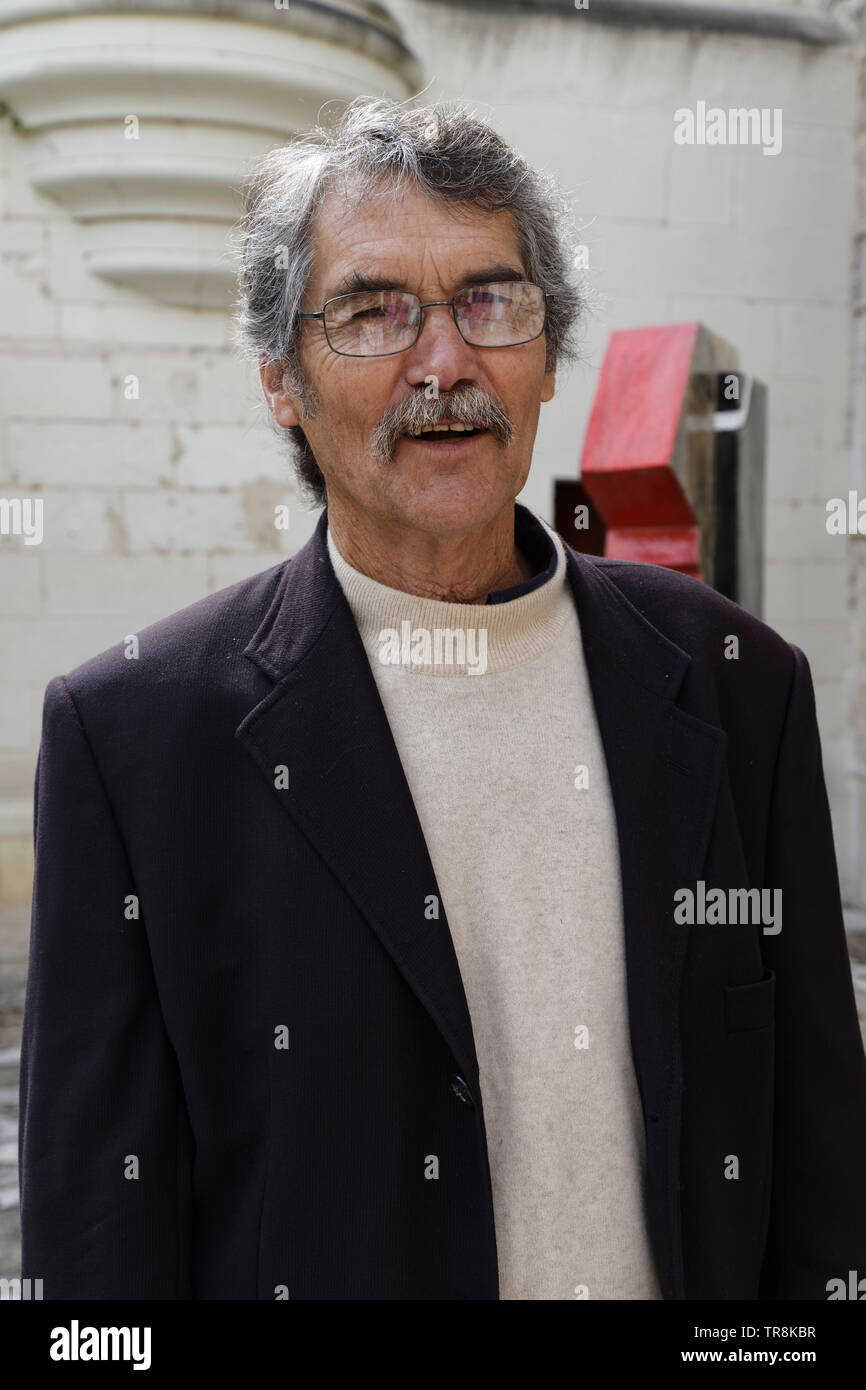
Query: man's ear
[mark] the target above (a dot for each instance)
(548, 385)
(283, 404)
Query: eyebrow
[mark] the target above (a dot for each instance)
(359, 280)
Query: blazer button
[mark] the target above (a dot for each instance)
(461, 1090)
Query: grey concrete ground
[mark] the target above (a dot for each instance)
(13, 963)
(10, 1245)
(14, 923)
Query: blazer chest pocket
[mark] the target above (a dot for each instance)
(751, 1006)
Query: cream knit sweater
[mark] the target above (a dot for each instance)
(504, 761)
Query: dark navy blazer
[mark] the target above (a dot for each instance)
(192, 911)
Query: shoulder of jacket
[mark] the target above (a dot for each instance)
(691, 613)
(190, 645)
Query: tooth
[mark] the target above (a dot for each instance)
(458, 427)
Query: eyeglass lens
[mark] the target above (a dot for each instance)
(374, 323)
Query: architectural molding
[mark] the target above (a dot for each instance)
(807, 25)
(142, 118)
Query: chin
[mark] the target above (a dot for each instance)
(454, 504)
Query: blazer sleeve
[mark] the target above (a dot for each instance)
(817, 1221)
(105, 1146)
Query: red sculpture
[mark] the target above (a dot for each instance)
(635, 464)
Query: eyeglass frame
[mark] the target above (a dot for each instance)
(428, 304)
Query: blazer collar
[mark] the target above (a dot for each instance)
(613, 630)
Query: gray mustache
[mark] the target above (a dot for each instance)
(471, 406)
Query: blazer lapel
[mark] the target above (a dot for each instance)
(348, 794)
(664, 766)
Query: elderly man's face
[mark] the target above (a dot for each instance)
(416, 244)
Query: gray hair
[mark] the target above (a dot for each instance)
(448, 154)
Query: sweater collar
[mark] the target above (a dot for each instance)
(513, 626)
(531, 537)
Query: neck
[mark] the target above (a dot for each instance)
(462, 568)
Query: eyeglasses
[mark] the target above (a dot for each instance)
(379, 323)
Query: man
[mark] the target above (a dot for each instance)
(437, 914)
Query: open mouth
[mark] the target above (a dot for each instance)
(449, 434)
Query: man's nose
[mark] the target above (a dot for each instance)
(441, 350)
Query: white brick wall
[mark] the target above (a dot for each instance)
(150, 503)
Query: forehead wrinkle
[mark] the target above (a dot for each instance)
(369, 255)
